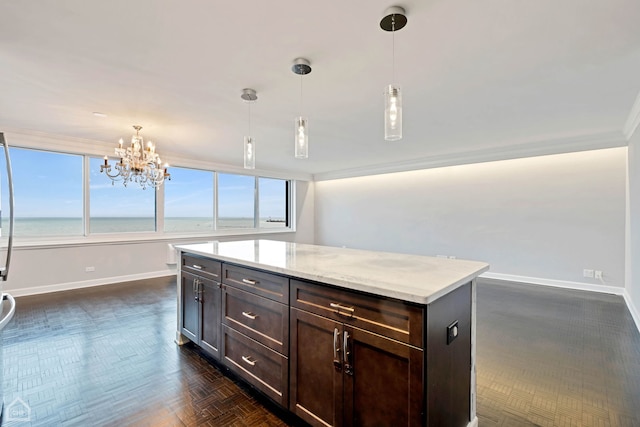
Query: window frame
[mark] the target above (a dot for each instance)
(88, 238)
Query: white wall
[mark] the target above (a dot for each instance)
(543, 218)
(633, 222)
(46, 269)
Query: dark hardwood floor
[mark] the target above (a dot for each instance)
(106, 356)
(555, 357)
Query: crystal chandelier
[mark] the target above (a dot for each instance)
(138, 164)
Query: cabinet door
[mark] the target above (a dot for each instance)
(189, 321)
(316, 369)
(210, 306)
(382, 381)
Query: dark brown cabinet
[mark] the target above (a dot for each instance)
(341, 375)
(255, 341)
(201, 303)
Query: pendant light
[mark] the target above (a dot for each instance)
(249, 96)
(301, 67)
(394, 20)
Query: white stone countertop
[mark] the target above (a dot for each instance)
(412, 278)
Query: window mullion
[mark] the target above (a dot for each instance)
(159, 200)
(256, 204)
(86, 195)
(215, 200)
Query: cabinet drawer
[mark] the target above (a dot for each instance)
(260, 366)
(204, 267)
(385, 316)
(257, 282)
(264, 320)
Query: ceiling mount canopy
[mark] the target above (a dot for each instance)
(394, 19)
(301, 66)
(249, 95)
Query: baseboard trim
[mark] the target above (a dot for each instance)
(473, 423)
(615, 290)
(635, 313)
(88, 283)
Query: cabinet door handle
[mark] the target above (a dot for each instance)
(249, 360)
(348, 369)
(197, 267)
(250, 281)
(249, 314)
(196, 284)
(336, 350)
(341, 308)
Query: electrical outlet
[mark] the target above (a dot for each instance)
(89, 269)
(598, 274)
(452, 332)
(587, 273)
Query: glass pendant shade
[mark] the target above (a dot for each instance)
(301, 138)
(392, 113)
(249, 152)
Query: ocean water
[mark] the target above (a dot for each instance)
(33, 227)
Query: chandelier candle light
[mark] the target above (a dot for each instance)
(301, 67)
(394, 20)
(138, 163)
(249, 96)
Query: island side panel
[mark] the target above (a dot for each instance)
(472, 409)
(449, 359)
(180, 338)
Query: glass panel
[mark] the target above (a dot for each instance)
(273, 203)
(115, 208)
(48, 189)
(236, 201)
(188, 201)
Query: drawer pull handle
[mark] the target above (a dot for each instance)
(341, 308)
(250, 282)
(197, 267)
(249, 360)
(249, 314)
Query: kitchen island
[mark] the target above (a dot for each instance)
(337, 336)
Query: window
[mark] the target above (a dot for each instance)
(115, 208)
(272, 203)
(48, 191)
(50, 199)
(236, 201)
(188, 201)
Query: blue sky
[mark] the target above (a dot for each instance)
(50, 185)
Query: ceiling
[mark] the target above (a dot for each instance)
(477, 76)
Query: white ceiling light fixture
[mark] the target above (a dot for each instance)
(394, 20)
(138, 163)
(249, 96)
(301, 67)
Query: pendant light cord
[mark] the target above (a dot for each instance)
(249, 117)
(393, 50)
(300, 95)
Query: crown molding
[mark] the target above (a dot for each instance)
(594, 141)
(633, 120)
